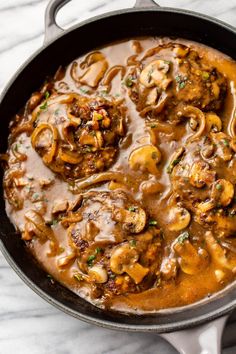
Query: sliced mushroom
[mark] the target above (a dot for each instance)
(169, 268)
(145, 158)
(124, 259)
(64, 261)
(94, 139)
(200, 174)
(75, 205)
(178, 218)
(134, 220)
(46, 182)
(191, 261)
(175, 159)
(217, 252)
(181, 51)
(213, 122)
(222, 143)
(154, 74)
(98, 274)
(195, 113)
(59, 206)
(222, 192)
(96, 65)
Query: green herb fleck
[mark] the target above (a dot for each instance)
(205, 75)
(132, 208)
(16, 147)
(132, 243)
(153, 126)
(152, 222)
(172, 165)
(98, 250)
(61, 249)
(84, 89)
(226, 142)
(112, 276)
(47, 95)
(88, 149)
(35, 196)
(78, 277)
(183, 237)
(91, 259)
(44, 106)
(182, 84)
(181, 80)
(219, 187)
(129, 82)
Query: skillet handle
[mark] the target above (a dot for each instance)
(145, 3)
(52, 29)
(204, 339)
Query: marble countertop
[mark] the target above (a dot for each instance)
(28, 325)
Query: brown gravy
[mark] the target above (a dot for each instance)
(165, 127)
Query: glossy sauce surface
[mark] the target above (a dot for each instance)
(120, 174)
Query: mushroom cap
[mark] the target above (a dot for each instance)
(178, 218)
(145, 158)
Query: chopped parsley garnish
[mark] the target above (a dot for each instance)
(91, 259)
(98, 250)
(152, 222)
(225, 142)
(205, 75)
(219, 187)
(16, 147)
(84, 89)
(132, 243)
(129, 82)
(47, 95)
(88, 149)
(35, 196)
(183, 237)
(181, 80)
(44, 106)
(172, 165)
(153, 125)
(78, 277)
(132, 208)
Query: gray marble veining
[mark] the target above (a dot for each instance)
(28, 325)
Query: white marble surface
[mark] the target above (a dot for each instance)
(28, 325)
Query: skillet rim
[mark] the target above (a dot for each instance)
(109, 324)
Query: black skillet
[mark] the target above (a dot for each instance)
(61, 47)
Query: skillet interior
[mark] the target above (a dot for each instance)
(79, 40)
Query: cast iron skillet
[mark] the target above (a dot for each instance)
(61, 47)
